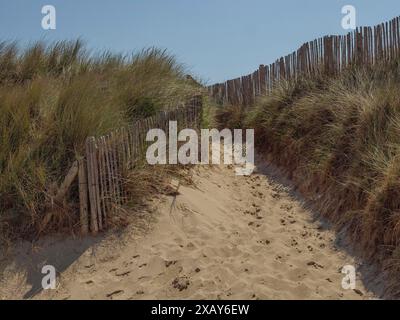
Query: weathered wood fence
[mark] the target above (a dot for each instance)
(330, 54)
(102, 171)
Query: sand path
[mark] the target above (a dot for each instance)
(227, 237)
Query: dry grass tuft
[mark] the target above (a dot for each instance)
(147, 183)
(51, 98)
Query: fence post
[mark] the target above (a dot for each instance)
(83, 196)
(94, 228)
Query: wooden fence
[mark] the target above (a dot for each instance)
(102, 171)
(330, 54)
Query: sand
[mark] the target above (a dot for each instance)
(225, 237)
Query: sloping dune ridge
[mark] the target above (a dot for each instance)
(225, 237)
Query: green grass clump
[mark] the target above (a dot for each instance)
(54, 96)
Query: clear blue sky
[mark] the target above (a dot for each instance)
(216, 39)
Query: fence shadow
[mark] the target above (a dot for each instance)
(28, 258)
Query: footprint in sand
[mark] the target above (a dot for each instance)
(315, 265)
(276, 195)
(294, 243)
(286, 207)
(170, 263)
(181, 283)
(253, 224)
(114, 293)
(265, 242)
(123, 274)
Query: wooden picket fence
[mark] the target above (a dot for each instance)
(330, 55)
(102, 171)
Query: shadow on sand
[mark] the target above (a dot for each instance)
(367, 272)
(29, 258)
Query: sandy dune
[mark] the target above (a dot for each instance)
(226, 238)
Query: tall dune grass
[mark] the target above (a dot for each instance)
(339, 140)
(52, 97)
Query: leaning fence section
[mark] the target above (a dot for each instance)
(103, 168)
(330, 55)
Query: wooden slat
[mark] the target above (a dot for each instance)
(96, 176)
(83, 196)
(94, 228)
(66, 184)
(103, 180)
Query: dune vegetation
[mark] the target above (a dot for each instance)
(52, 97)
(338, 139)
